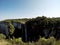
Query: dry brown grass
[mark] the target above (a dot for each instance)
(4, 42)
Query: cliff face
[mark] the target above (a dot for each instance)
(19, 28)
(4, 28)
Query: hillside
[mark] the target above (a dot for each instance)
(31, 30)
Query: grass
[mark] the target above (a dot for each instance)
(41, 41)
(18, 41)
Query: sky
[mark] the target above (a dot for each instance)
(15, 9)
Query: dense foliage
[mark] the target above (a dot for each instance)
(44, 27)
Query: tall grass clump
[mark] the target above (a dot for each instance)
(49, 41)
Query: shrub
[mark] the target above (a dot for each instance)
(11, 28)
(2, 36)
(49, 41)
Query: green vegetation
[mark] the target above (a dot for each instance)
(2, 36)
(11, 28)
(18, 41)
(17, 20)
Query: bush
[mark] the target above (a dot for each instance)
(16, 41)
(11, 28)
(2, 36)
(49, 41)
